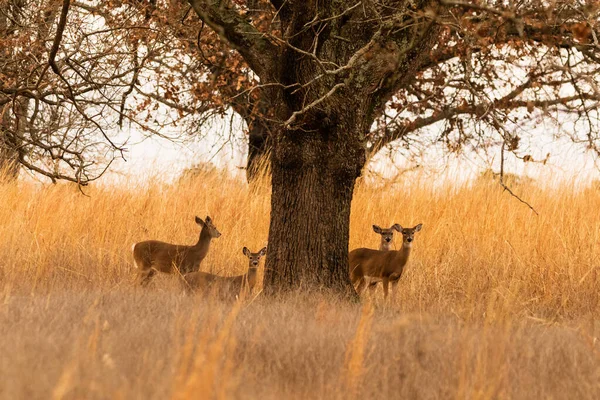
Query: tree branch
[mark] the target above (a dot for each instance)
(134, 81)
(278, 4)
(241, 35)
(506, 188)
(477, 110)
(58, 37)
(315, 103)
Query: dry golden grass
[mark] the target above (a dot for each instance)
(496, 302)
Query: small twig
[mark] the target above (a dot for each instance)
(260, 86)
(479, 7)
(315, 103)
(506, 14)
(346, 11)
(320, 63)
(506, 187)
(185, 16)
(134, 78)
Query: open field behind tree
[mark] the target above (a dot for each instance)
(495, 301)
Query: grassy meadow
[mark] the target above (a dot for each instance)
(495, 303)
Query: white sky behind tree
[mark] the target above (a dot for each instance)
(152, 158)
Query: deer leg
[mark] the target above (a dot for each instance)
(372, 287)
(361, 285)
(394, 287)
(386, 281)
(146, 275)
(395, 278)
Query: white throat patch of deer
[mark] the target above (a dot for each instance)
(386, 265)
(152, 255)
(227, 286)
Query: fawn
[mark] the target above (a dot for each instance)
(227, 286)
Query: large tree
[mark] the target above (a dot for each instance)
(328, 70)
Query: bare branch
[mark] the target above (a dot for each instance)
(258, 52)
(506, 188)
(315, 103)
(58, 37)
(134, 78)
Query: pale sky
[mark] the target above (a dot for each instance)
(155, 158)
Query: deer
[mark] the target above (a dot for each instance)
(152, 255)
(387, 238)
(226, 286)
(381, 264)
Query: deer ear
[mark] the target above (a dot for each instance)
(418, 227)
(199, 221)
(208, 220)
(263, 251)
(246, 251)
(397, 227)
(377, 229)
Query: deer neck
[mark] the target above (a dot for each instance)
(251, 277)
(203, 242)
(385, 246)
(403, 254)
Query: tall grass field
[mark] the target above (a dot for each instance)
(496, 302)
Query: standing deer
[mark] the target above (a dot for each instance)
(151, 256)
(387, 239)
(385, 265)
(226, 286)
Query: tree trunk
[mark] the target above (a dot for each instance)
(9, 166)
(9, 155)
(259, 150)
(313, 176)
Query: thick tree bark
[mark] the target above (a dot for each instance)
(313, 176)
(9, 165)
(9, 154)
(259, 150)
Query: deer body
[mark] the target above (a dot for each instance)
(386, 265)
(387, 240)
(226, 286)
(152, 255)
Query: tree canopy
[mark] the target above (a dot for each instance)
(493, 66)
